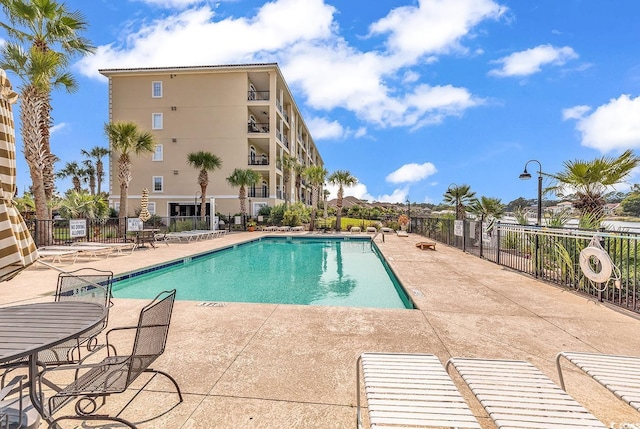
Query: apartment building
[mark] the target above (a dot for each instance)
(244, 114)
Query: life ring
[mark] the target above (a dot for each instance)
(605, 263)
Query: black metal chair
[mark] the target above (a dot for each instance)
(85, 285)
(116, 372)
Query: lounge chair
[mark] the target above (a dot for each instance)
(410, 391)
(619, 374)
(117, 248)
(355, 230)
(387, 230)
(371, 229)
(115, 373)
(422, 245)
(516, 394)
(57, 256)
(92, 251)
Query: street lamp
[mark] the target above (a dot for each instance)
(526, 176)
(409, 213)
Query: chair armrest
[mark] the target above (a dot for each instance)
(111, 346)
(11, 386)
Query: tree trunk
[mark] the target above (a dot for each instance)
(124, 176)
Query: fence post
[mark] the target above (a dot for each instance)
(498, 244)
(481, 236)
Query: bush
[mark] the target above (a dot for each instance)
(296, 214)
(277, 214)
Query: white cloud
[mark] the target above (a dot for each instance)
(575, 112)
(322, 128)
(397, 196)
(58, 127)
(178, 4)
(378, 86)
(412, 173)
(528, 62)
(434, 26)
(359, 190)
(612, 126)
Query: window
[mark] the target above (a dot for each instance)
(116, 206)
(252, 155)
(156, 121)
(152, 208)
(156, 89)
(265, 189)
(157, 183)
(157, 153)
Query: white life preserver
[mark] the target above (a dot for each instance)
(605, 262)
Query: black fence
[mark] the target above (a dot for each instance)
(550, 254)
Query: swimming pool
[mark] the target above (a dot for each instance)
(344, 271)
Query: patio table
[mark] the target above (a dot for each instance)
(28, 329)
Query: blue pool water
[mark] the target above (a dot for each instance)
(287, 270)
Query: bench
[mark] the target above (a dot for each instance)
(426, 245)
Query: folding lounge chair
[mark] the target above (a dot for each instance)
(516, 395)
(410, 391)
(619, 374)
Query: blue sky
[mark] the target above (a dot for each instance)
(409, 96)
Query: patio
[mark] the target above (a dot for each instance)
(284, 366)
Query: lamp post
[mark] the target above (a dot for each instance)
(409, 213)
(526, 176)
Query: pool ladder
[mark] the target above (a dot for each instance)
(376, 234)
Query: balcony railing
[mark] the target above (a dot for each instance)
(257, 193)
(253, 160)
(258, 95)
(258, 127)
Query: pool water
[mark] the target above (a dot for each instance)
(286, 270)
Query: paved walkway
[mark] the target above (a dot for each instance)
(287, 366)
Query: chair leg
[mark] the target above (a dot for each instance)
(175, 383)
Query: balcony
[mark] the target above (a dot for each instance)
(258, 193)
(258, 127)
(258, 96)
(258, 160)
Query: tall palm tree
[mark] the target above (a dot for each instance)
(315, 175)
(127, 139)
(459, 196)
(43, 38)
(288, 163)
(205, 162)
(341, 178)
(73, 170)
(487, 207)
(243, 178)
(298, 170)
(586, 182)
(89, 175)
(96, 154)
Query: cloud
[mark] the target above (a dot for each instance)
(322, 128)
(58, 127)
(171, 4)
(412, 173)
(378, 86)
(575, 112)
(359, 190)
(397, 196)
(434, 26)
(612, 126)
(528, 62)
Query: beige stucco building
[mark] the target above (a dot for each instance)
(244, 114)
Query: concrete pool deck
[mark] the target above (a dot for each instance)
(289, 366)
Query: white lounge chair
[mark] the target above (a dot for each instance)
(619, 374)
(117, 248)
(516, 394)
(410, 391)
(371, 229)
(56, 256)
(90, 251)
(355, 230)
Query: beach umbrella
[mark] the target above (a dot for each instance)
(144, 206)
(17, 248)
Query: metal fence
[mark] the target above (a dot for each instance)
(549, 254)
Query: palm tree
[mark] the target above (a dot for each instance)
(487, 208)
(43, 37)
(205, 162)
(243, 178)
(97, 153)
(73, 170)
(127, 139)
(298, 170)
(341, 178)
(81, 204)
(459, 196)
(315, 175)
(288, 163)
(586, 182)
(89, 175)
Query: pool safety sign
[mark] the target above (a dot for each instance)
(77, 228)
(458, 228)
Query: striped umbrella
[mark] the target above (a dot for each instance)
(17, 249)
(144, 206)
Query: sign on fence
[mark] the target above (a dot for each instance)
(77, 228)
(134, 224)
(458, 228)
